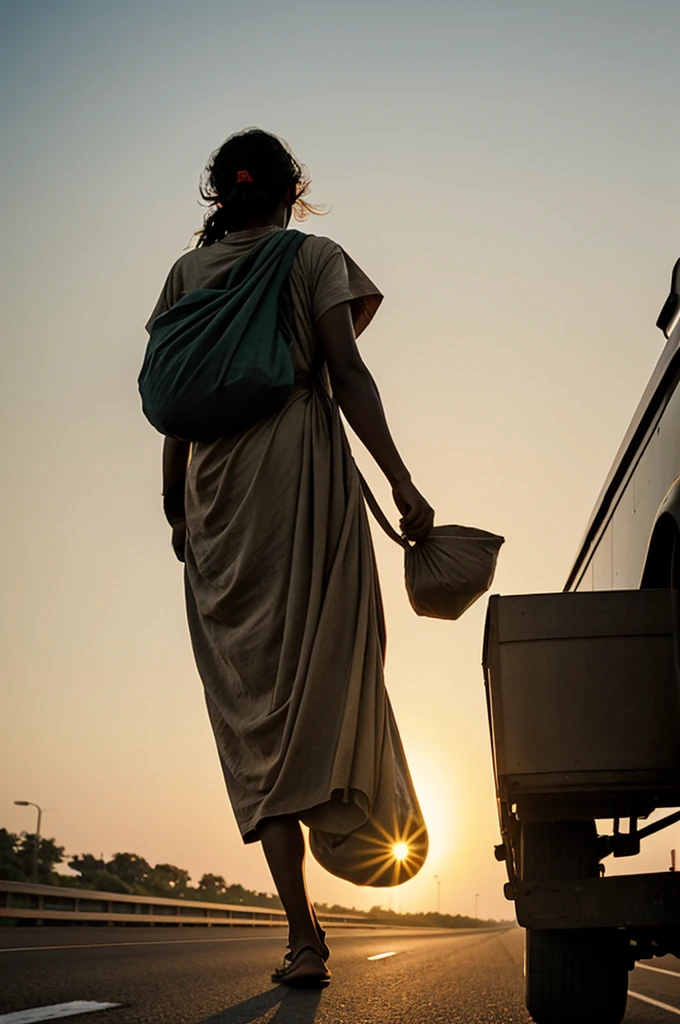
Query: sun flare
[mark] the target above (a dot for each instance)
(386, 853)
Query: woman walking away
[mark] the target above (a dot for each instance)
(282, 594)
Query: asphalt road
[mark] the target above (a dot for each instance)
(206, 976)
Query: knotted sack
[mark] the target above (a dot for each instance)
(446, 571)
(218, 360)
(389, 844)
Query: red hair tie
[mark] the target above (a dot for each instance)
(243, 176)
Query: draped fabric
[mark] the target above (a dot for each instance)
(283, 599)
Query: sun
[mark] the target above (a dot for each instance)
(400, 851)
(388, 853)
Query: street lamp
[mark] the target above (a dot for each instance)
(27, 803)
(439, 892)
(476, 899)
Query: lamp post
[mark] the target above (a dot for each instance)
(439, 892)
(476, 901)
(28, 803)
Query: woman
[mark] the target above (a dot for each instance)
(282, 594)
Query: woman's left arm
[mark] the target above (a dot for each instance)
(175, 461)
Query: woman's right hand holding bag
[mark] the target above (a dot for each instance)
(417, 514)
(446, 568)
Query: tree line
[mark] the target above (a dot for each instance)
(122, 873)
(131, 874)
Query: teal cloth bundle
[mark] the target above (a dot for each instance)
(218, 360)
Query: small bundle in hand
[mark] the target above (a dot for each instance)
(446, 571)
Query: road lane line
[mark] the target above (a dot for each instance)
(645, 999)
(380, 956)
(659, 970)
(55, 1011)
(148, 942)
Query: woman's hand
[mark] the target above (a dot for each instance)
(179, 538)
(417, 515)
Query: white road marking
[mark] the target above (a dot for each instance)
(659, 970)
(645, 999)
(244, 938)
(380, 956)
(53, 1012)
(149, 942)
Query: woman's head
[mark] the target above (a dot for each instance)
(247, 180)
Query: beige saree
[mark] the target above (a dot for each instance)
(284, 603)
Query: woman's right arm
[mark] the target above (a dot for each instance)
(358, 397)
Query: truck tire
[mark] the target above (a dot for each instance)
(573, 976)
(576, 976)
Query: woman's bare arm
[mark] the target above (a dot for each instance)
(175, 459)
(359, 399)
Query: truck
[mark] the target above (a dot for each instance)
(583, 699)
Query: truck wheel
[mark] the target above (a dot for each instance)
(573, 976)
(576, 976)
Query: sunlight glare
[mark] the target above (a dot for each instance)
(400, 851)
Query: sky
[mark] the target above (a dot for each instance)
(505, 172)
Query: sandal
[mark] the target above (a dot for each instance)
(306, 968)
(325, 951)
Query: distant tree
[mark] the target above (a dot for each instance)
(11, 869)
(107, 882)
(49, 854)
(211, 887)
(237, 894)
(214, 889)
(130, 868)
(167, 880)
(103, 881)
(93, 874)
(87, 866)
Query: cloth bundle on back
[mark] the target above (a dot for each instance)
(218, 360)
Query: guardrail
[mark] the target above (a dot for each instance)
(56, 904)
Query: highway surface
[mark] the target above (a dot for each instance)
(214, 976)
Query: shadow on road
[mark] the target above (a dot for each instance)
(295, 1006)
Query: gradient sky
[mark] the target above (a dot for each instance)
(507, 174)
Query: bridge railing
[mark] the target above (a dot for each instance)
(56, 904)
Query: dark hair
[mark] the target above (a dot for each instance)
(246, 179)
